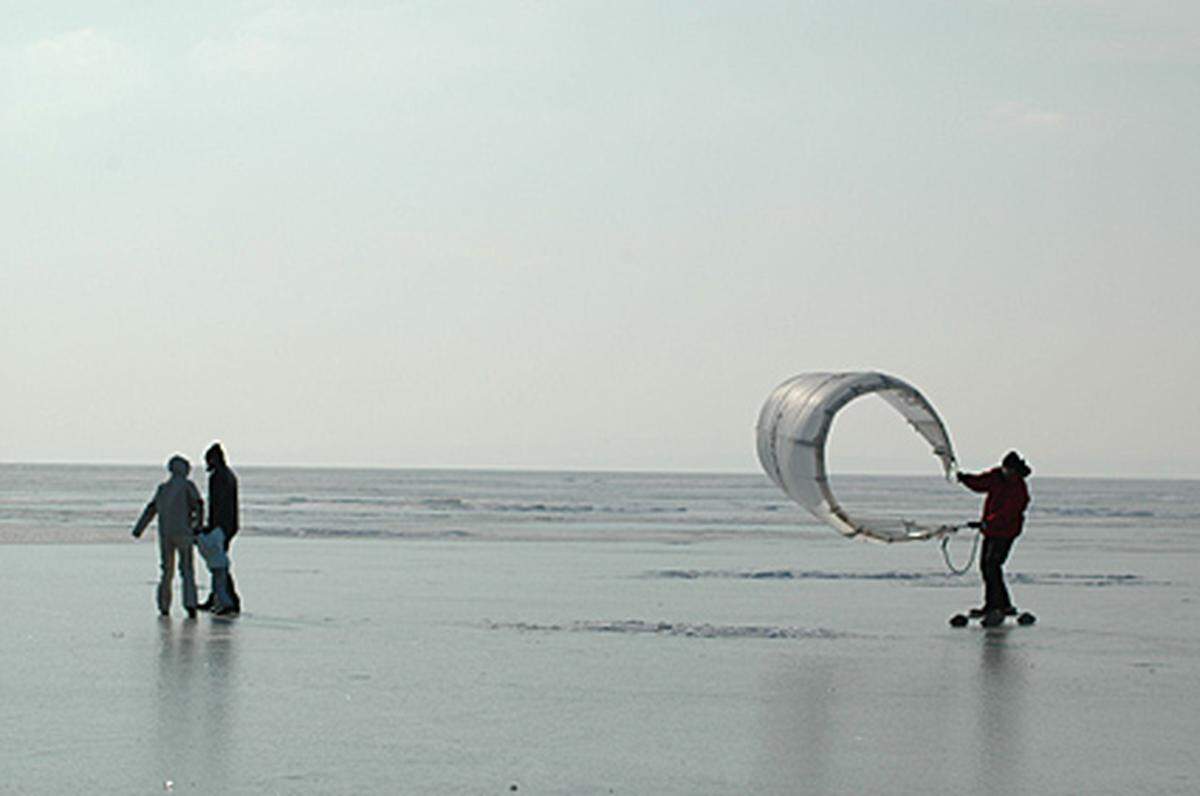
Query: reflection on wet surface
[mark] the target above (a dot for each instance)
(195, 713)
(939, 717)
(1002, 690)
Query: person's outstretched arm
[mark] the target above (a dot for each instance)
(976, 482)
(144, 520)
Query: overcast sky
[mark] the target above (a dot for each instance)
(597, 234)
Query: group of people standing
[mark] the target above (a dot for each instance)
(180, 510)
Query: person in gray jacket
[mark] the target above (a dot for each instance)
(180, 509)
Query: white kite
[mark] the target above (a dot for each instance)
(794, 424)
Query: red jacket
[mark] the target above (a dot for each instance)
(1004, 508)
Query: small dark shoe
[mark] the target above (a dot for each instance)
(976, 613)
(191, 613)
(207, 605)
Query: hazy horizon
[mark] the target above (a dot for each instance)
(595, 236)
(198, 470)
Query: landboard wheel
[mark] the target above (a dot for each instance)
(1026, 619)
(958, 620)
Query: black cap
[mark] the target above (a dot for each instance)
(1013, 461)
(215, 453)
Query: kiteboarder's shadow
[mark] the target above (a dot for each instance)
(1002, 714)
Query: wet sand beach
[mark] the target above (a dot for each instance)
(474, 667)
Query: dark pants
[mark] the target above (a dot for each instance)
(991, 561)
(233, 592)
(235, 599)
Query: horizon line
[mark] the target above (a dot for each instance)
(578, 470)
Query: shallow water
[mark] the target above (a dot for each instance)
(717, 651)
(93, 503)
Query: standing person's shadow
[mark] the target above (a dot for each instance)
(196, 663)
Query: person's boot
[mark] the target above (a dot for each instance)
(993, 618)
(207, 605)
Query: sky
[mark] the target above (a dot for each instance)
(596, 235)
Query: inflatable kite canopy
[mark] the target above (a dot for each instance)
(794, 424)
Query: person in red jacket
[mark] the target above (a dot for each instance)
(1001, 523)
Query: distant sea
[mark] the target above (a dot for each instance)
(92, 503)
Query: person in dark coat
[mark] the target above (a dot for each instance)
(223, 515)
(1002, 521)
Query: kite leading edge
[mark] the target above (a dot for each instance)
(792, 430)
